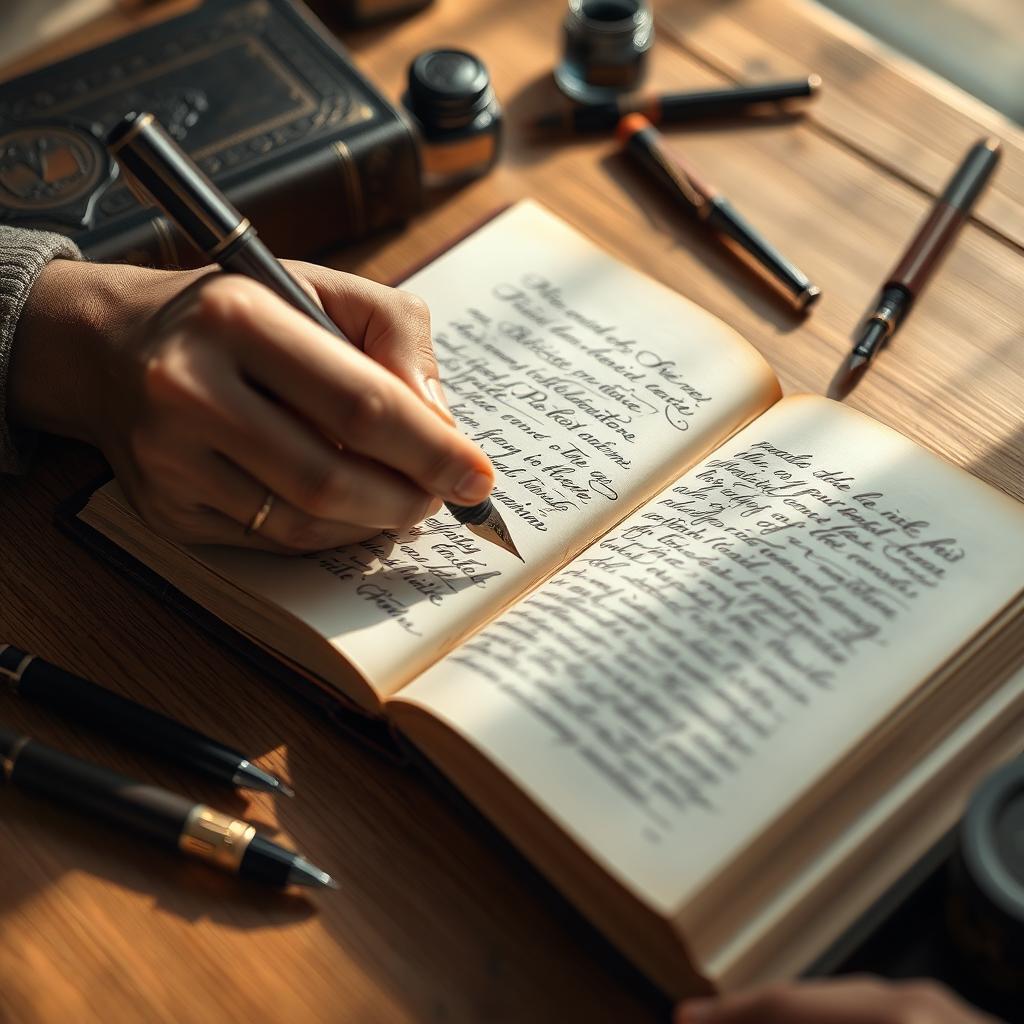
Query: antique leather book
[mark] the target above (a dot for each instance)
(760, 648)
(255, 90)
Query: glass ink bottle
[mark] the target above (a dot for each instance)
(606, 47)
(453, 105)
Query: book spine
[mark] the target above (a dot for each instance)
(341, 192)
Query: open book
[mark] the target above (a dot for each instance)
(758, 647)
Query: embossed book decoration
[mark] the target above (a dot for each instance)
(255, 90)
(759, 652)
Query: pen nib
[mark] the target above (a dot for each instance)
(301, 872)
(493, 529)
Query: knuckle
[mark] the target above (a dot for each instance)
(227, 299)
(322, 490)
(163, 379)
(414, 310)
(366, 414)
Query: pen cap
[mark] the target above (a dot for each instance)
(972, 175)
(158, 167)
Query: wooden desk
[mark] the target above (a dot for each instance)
(435, 920)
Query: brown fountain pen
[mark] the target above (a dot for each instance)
(933, 239)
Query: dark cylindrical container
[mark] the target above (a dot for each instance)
(606, 46)
(457, 114)
(986, 893)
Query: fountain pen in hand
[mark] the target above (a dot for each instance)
(158, 168)
(141, 811)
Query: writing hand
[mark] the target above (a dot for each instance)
(205, 392)
(853, 1000)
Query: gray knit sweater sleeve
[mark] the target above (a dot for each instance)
(23, 254)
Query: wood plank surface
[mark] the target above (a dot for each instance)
(436, 919)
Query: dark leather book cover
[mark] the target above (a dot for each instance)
(269, 106)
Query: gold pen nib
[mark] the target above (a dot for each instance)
(493, 528)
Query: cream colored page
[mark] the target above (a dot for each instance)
(670, 692)
(588, 384)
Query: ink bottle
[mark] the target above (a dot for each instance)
(453, 105)
(606, 47)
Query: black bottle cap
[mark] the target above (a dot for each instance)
(448, 88)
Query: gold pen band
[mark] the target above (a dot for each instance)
(886, 318)
(215, 837)
(239, 229)
(141, 123)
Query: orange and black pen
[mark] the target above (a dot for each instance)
(647, 145)
(677, 107)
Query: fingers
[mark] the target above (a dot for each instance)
(299, 465)
(349, 398)
(210, 501)
(854, 1000)
(391, 326)
(288, 527)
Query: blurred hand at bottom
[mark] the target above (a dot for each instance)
(852, 1000)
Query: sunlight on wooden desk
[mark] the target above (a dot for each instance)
(435, 919)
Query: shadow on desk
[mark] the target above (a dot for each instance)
(185, 888)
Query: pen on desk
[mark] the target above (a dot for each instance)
(933, 239)
(675, 107)
(646, 144)
(148, 812)
(167, 177)
(69, 696)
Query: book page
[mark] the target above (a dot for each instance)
(588, 384)
(670, 693)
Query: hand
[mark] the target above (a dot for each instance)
(205, 392)
(853, 1000)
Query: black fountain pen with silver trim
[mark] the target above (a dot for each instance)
(149, 812)
(76, 699)
(162, 174)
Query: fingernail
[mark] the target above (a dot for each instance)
(473, 487)
(438, 400)
(695, 1011)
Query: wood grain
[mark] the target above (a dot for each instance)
(436, 919)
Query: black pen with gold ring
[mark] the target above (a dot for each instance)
(141, 811)
(163, 175)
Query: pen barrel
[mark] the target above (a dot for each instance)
(70, 696)
(725, 219)
(93, 790)
(686, 106)
(933, 240)
(251, 258)
(167, 177)
(682, 183)
(972, 175)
